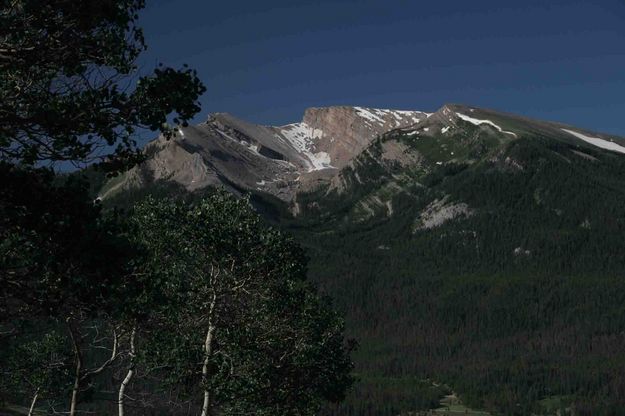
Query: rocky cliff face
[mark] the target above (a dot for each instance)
(278, 160)
(344, 132)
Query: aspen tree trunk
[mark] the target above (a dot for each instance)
(208, 353)
(129, 374)
(208, 347)
(77, 371)
(33, 403)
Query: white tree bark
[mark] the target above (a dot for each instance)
(33, 403)
(79, 374)
(208, 353)
(77, 371)
(129, 374)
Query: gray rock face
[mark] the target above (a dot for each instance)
(363, 157)
(347, 131)
(279, 160)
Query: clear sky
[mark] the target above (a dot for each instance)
(266, 61)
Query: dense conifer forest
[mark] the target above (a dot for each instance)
(518, 306)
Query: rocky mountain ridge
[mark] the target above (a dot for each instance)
(333, 148)
(278, 160)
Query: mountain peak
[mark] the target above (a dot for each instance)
(329, 142)
(342, 132)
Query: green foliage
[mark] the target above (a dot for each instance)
(39, 366)
(67, 94)
(174, 269)
(214, 268)
(57, 252)
(66, 91)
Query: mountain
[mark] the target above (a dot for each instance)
(466, 246)
(330, 146)
(279, 161)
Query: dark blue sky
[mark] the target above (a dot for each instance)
(266, 61)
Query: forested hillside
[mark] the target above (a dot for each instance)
(517, 304)
(481, 252)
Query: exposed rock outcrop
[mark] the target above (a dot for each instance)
(279, 160)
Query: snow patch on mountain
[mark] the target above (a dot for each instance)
(369, 114)
(376, 115)
(227, 136)
(477, 122)
(604, 144)
(302, 137)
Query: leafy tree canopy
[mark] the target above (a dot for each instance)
(233, 293)
(67, 83)
(57, 251)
